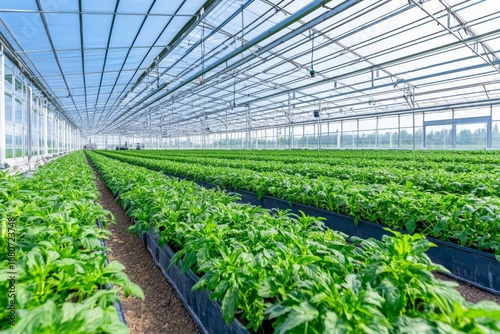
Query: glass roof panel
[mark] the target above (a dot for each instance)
(19, 5)
(92, 39)
(134, 7)
(125, 30)
(27, 29)
(368, 57)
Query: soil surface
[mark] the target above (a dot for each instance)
(162, 311)
(469, 292)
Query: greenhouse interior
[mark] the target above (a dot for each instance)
(250, 166)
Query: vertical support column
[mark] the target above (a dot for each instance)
(277, 137)
(56, 134)
(3, 132)
(339, 135)
(489, 130)
(69, 137)
(67, 128)
(290, 136)
(63, 135)
(376, 132)
(307, 138)
(66, 136)
(353, 138)
(399, 131)
(424, 131)
(29, 127)
(357, 132)
(59, 135)
(170, 136)
(249, 130)
(319, 127)
(57, 125)
(328, 133)
(227, 134)
(304, 136)
(453, 130)
(45, 112)
(315, 125)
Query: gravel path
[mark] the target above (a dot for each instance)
(162, 311)
(471, 293)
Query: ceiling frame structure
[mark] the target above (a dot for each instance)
(146, 67)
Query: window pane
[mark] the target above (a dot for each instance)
(471, 136)
(8, 141)
(8, 107)
(19, 112)
(8, 80)
(438, 136)
(19, 141)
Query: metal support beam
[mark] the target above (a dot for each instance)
(489, 130)
(424, 131)
(399, 131)
(45, 112)
(277, 138)
(3, 132)
(357, 132)
(491, 58)
(319, 127)
(29, 125)
(339, 138)
(249, 129)
(55, 122)
(289, 116)
(409, 95)
(453, 130)
(252, 43)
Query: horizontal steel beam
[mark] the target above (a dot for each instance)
(274, 30)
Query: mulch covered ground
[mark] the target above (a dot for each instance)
(162, 311)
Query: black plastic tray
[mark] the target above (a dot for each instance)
(206, 313)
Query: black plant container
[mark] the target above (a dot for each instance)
(206, 313)
(465, 264)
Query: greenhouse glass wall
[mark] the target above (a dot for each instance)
(31, 127)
